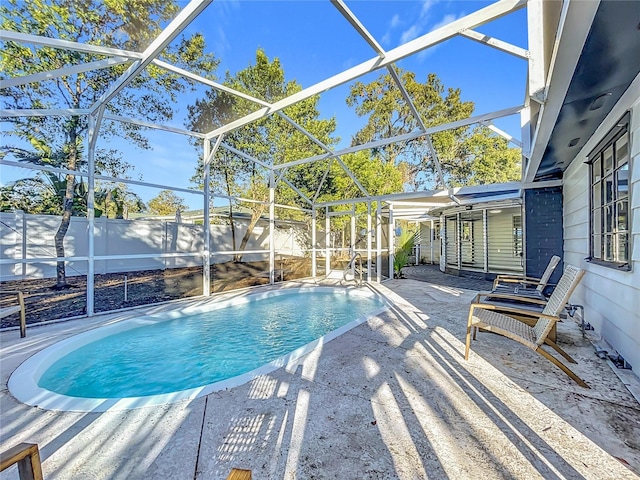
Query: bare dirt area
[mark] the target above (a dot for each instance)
(43, 302)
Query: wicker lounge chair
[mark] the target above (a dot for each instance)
(526, 286)
(486, 317)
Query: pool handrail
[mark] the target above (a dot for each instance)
(351, 266)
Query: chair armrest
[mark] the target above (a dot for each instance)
(18, 294)
(517, 278)
(23, 319)
(519, 311)
(504, 296)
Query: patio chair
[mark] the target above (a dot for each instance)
(524, 307)
(486, 316)
(526, 286)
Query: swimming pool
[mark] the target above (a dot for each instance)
(188, 352)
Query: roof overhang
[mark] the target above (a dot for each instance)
(595, 60)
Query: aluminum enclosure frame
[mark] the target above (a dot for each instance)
(214, 140)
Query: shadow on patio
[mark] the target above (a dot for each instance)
(393, 398)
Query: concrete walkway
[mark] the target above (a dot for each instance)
(392, 398)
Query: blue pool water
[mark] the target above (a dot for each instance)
(203, 348)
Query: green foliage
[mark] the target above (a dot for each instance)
(404, 246)
(468, 156)
(124, 24)
(375, 175)
(271, 140)
(166, 203)
(493, 160)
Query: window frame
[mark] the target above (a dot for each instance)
(606, 153)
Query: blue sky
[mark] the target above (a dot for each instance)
(313, 41)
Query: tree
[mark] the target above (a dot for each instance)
(459, 150)
(493, 160)
(121, 24)
(375, 175)
(271, 140)
(166, 203)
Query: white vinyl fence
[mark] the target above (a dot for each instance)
(25, 236)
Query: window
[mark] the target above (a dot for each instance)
(609, 182)
(467, 231)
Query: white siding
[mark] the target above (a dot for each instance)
(611, 297)
(500, 239)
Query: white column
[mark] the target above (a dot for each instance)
(379, 241)
(327, 241)
(369, 241)
(272, 214)
(417, 246)
(206, 253)
(432, 239)
(94, 126)
(459, 240)
(314, 251)
(443, 243)
(485, 239)
(353, 230)
(392, 240)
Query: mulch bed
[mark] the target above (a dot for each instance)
(43, 302)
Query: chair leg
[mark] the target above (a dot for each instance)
(555, 346)
(562, 367)
(469, 327)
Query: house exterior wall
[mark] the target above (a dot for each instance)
(611, 297)
(544, 233)
(464, 240)
(501, 242)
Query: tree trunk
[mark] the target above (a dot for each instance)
(255, 216)
(61, 277)
(61, 274)
(228, 182)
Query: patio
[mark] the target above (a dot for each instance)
(393, 398)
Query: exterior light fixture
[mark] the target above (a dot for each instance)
(574, 141)
(495, 211)
(599, 101)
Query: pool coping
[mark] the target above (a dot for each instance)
(23, 382)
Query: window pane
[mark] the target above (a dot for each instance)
(608, 189)
(597, 170)
(623, 181)
(623, 215)
(608, 248)
(623, 250)
(608, 218)
(597, 246)
(622, 150)
(597, 195)
(597, 221)
(608, 159)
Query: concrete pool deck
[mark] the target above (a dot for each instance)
(392, 398)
